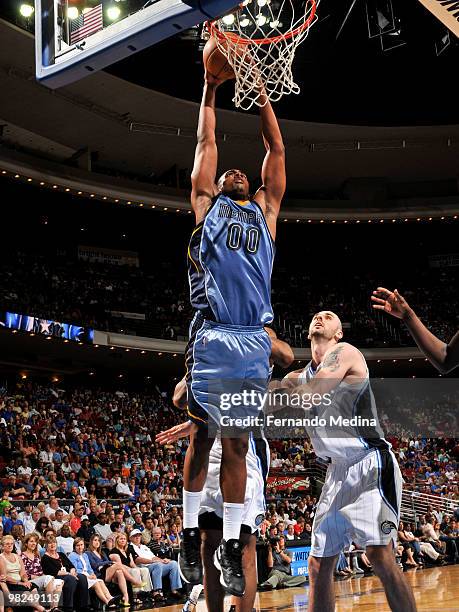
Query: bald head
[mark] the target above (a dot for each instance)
(326, 324)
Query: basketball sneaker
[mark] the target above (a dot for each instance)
(190, 565)
(193, 596)
(189, 606)
(228, 560)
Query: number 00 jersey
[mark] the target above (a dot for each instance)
(230, 259)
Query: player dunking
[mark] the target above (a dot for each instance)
(360, 500)
(230, 258)
(444, 357)
(210, 517)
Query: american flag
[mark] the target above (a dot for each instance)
(86, 24)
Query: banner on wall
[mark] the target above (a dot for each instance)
(283, 482)
(108, 256)
(444, 261)
(300, 558)
(47, 327)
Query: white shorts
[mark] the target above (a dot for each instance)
(254, 505)
(41, 582)
(360, 502)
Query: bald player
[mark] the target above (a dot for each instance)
(360, 500)
(444, 357)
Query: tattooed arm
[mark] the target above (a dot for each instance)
(342, 361)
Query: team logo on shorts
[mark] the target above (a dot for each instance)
(259, 519)
(387, 526)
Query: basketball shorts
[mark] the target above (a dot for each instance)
(360, 502)
(211, 511)
(227, 369)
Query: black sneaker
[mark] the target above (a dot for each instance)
(228, 560)
(189, 561)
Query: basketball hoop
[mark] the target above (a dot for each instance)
(259, 41)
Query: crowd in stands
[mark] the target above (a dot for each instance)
(88, 294)
(91, 505)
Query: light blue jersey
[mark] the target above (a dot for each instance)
(230, 260)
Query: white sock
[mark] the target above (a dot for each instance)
(195, 593)
(232, 521)
(191, 505)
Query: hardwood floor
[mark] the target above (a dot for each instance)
(436, 590)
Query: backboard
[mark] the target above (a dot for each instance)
(75, 38)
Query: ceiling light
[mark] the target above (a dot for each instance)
(73, 12)
(26, 10)
(113, 13)
(228, 19)
(261, 20)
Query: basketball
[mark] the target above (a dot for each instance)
(216, 63)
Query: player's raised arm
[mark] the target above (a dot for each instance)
(281, 352)
(270, 194)
(206, 155)
(445, 357)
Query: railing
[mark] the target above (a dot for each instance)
(414, 504)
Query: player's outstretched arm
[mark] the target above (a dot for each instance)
(270, 194)
(179, 399)
(206, 155)
(281, 352)
(183, 430)
(445, 357)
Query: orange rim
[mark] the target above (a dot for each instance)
(238, 40)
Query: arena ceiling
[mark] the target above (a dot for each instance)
(132, 129)
(345, 77)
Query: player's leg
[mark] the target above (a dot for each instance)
(321, 589)
(329, 537)
(254, 350)
(398, 592)
(374, 514)
(233, 481)
(194, 477)
(212, 587)
(214, 591)
(195, 472)
(193, 597)
(249, 564)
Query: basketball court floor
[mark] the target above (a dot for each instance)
(435, 589)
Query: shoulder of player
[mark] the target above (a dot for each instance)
(344, 350)
(202, 202)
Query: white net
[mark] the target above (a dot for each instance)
(259, 40)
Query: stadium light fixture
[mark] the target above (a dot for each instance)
(261, 20)
(73, 12)
(262, 2)
(113, 13)
(26, 10)
(245, 21)
(228, 19)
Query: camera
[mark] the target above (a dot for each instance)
(275, 540)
